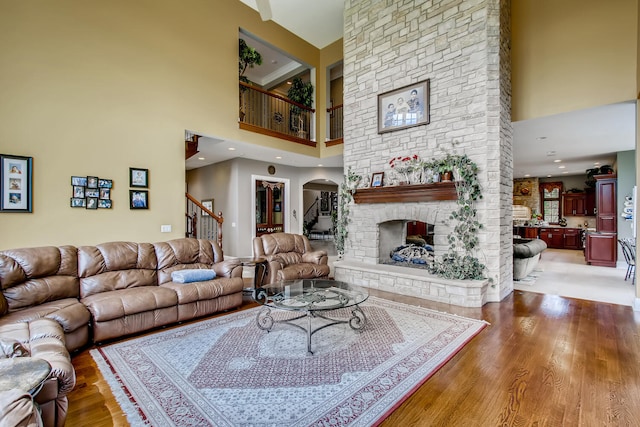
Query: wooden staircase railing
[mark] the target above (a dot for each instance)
(201, 223)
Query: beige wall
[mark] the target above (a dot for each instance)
(572, 54)
(95, 87)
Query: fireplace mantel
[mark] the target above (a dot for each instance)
(407, 193)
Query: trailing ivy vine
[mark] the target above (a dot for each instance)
(341, 219)
(459, 262)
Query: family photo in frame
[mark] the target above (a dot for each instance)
(403, 108)
(138, 177)
(16, 182)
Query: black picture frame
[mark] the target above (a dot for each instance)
(92, 182)
(16, 183)
(414, 109)
(105, 183)
(77, 202)
(138, 177)
(105, 204)
(92, 203)
(79, 181)
(138, 199)
(377, 179)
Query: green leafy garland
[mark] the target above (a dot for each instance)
(341, 220)
(458, 262)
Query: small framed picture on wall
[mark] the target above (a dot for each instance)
(139, 199)
(138, 177)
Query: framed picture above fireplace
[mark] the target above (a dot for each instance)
(403, 108)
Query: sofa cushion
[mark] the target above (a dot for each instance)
(116, 265)
(33, 276)
(303, 271)
(200, 291)
(182, 254)
(125, 302)
(68, 312)
(192, 275)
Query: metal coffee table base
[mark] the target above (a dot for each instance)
(357, 321)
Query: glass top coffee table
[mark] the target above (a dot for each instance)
(312, 298)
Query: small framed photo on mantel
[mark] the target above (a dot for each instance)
(377, 179)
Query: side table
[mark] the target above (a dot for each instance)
(23, 373)
(260, 265)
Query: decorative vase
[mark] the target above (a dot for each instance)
(416, 177)
(446, 176)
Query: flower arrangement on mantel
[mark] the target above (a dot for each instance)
(406, 165)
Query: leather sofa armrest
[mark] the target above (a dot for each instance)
(316, 257)
(228, 268)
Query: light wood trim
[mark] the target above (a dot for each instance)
(273, 133)
(334, 142)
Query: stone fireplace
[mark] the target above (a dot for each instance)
(382, 227)
(463, 49)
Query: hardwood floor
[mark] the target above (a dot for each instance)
(545, 360)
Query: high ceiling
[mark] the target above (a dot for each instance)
(576, 140)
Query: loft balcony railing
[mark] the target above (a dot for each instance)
(335, 120)
(274, 115)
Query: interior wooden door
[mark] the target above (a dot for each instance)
(269, 207)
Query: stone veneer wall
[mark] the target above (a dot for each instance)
(463, 47)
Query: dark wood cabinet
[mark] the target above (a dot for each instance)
(562, 238)
(574, 204)
(606, 209)
(572, 238)
(590, 201)
(553, 237)
(601, 249)
(602, 246)
(526, 232)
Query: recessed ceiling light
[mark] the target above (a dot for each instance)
(278, 157)
(565, 172)
(273, 61)
(288, 83)
(527, 175)
(557, 161)
(549, 176)
(320, 165)
(232, 149)
(596, 163)
(200, 158)
(561, 167)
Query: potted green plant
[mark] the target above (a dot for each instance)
(300, 93)
(248, 57)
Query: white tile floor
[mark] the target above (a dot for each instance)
(564, 272)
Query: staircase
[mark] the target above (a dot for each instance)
(201, 223)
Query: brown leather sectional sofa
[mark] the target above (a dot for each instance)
(57, 299)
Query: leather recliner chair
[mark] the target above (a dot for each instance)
(290, 256)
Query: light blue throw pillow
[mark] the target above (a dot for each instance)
(188, 276)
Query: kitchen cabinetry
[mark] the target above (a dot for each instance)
(562, 238)
(602, 246)
(572, 238)
(601, 249)
(590, 201)
(606, 210)
(579, 204)
(574, 204)
(526, 232)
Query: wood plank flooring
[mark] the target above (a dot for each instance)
(545, 360)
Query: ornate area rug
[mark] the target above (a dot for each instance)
(226, 371)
